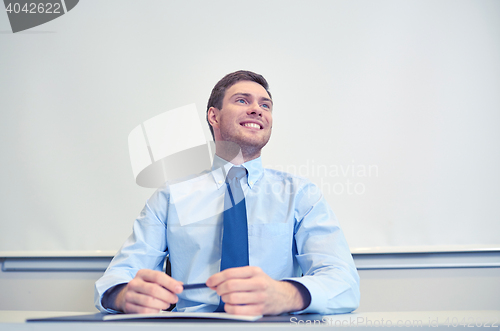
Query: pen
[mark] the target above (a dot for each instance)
(194, 286)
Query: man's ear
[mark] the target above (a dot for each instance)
(213, 117)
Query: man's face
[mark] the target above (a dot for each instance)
(246, 116)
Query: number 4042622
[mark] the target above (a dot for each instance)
(469, 322)
(34, 8)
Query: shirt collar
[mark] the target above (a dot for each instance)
(220, 168)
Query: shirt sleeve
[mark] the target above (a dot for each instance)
(146, 248)
(330, 275)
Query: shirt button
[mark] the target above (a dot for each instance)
(251, 183)
(220, 181)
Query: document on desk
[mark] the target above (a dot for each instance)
(177, 315)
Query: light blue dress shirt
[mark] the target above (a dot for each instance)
(291, 231)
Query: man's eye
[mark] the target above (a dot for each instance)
(265, 105)
(241, 100)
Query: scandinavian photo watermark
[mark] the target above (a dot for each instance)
(333, 179)
(360, 321)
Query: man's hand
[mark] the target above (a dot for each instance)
(149, 292)
(249, 291)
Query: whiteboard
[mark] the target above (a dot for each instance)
(391, 107)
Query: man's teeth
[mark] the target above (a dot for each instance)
(252, 125)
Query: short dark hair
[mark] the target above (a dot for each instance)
(219, 90)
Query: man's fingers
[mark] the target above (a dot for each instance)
(160, 278)
(134, 300)
(232, 273)
(244, 298)
(149, 292)
(242, 285)
(152, 290)
(132, 308)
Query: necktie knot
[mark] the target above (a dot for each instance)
(236, 172)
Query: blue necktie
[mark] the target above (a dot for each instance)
(235, 230)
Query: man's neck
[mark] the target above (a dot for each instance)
(234, 154)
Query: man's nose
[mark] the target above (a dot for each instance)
(255, 109)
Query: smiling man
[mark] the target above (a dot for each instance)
(278, 248)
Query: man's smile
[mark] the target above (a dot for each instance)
(252, 124)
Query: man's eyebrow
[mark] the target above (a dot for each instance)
(249, 95)
(267, 99)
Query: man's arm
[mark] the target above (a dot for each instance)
(329, 272)
(144, 249)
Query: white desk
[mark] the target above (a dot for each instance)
(449, 320)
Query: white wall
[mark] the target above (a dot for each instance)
(391, 107)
